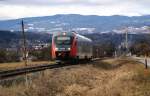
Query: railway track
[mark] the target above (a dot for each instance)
(20, 71)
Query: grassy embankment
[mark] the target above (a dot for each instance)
(111, 77)
(14, 65)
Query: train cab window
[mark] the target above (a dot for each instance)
(65, 40)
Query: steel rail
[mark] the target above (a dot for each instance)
(20, 71)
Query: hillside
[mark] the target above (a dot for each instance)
(109, 77)
(79, 23)
(13, 39)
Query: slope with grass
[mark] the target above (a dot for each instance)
(109, 77)
(15, 65)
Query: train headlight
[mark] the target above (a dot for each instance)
(56, 49)
(69, 49)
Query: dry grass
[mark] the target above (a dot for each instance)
(111, 77)
(14, 65)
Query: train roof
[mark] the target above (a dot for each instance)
(62, 33)
(83, 37)
(72, 34)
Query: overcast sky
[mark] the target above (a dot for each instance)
(12, 9)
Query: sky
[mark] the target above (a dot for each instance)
(13, 9)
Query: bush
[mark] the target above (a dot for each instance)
(141, 48)
(43, 54)
(8, 56)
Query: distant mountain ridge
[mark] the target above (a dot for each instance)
(76, 22)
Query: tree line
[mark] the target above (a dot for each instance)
(16, 56)
(140, 48)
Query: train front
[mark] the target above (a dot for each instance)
(63, 47)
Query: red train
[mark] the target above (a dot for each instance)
(71, 46)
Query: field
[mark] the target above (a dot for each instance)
(5, 66)
(109, 77)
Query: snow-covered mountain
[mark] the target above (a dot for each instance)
(81, 23)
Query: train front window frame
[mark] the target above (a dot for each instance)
(63, 40)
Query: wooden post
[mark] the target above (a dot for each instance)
(24, 44)
(146, 62)
(97, 53)
(24, 52)
(126, 41)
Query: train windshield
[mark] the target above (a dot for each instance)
(63, 40)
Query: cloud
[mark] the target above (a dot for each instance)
(71, 2)
(28, 8)
(48, 2)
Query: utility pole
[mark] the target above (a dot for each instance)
(146, 62)
(24, 44)
(126, 40)
(24, 52)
